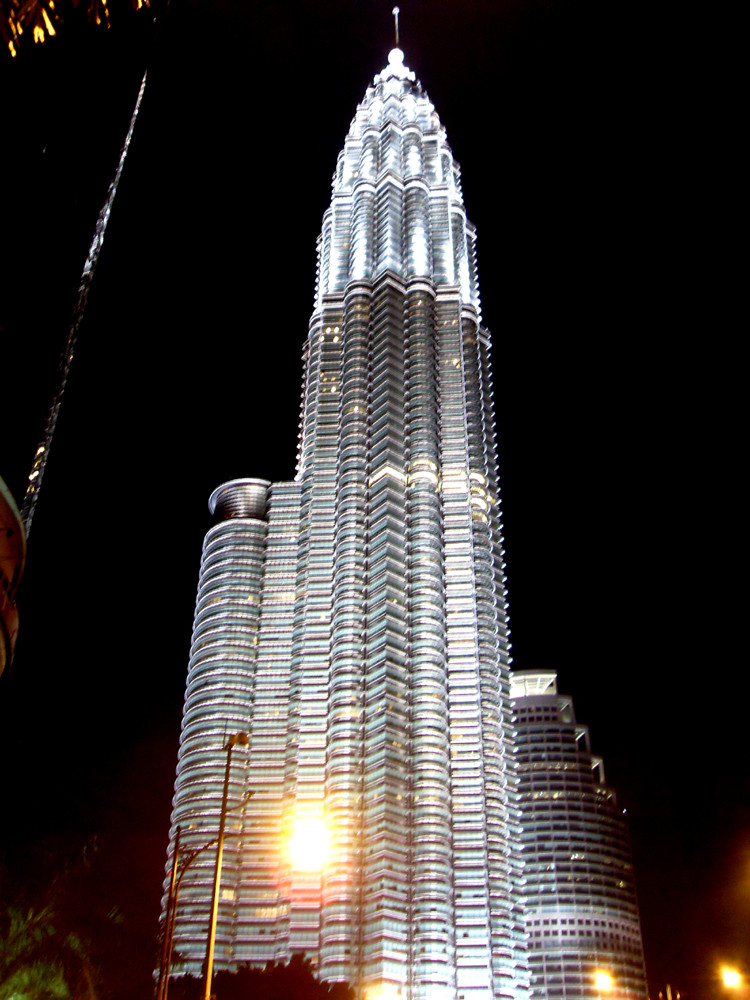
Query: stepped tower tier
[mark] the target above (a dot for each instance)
(581, 908)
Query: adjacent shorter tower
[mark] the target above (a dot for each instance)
(581, 909)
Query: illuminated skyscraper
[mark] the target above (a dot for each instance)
(581, 908)
(353, 622)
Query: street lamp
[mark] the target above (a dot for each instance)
(731, 979)
(236, 739)
(603, 982)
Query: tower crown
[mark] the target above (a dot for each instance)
(397, 204)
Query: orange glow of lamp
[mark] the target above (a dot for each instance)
(382, 991)
(731, 978)
(603, 981)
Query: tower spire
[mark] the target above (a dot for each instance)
(396, 11)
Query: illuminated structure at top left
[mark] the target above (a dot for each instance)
(12, 559)
(353, 622)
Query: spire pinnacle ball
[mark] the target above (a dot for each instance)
(396, 59)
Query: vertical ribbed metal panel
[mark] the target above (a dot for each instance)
(432, 910)
(262, 919)
(385, 870)
(342, 889)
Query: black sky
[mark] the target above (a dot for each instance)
(597, 166)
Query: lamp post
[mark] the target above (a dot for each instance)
(180, 865)
(234, 740)
(171, 903)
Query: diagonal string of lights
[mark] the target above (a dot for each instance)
(66, 358)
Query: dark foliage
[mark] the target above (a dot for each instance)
(294, 981)
(62, 922)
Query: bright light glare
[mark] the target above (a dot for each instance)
(381, 991)
(309, 843)
(731, 977)
(603, 981)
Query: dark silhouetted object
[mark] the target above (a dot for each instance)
(294, 981)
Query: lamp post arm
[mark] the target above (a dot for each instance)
(163, 990)
(171, 902)
(233, 741)
(180, 865)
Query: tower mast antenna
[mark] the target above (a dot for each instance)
(395, 13)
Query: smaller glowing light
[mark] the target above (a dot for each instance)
(731, 978)
(382, 991)
(603, 981)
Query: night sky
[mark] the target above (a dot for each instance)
(598, 163)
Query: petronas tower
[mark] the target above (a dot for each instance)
(353, 622)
